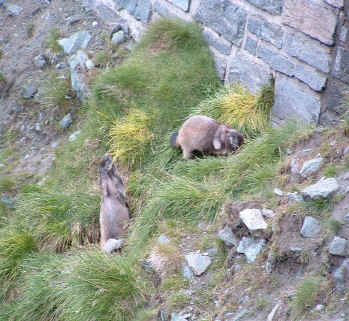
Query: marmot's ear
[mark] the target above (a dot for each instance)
(216, 143)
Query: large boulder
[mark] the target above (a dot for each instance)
(323, 189)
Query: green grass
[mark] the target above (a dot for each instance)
(52, 41)
(7, 184)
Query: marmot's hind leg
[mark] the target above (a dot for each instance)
(187, 154)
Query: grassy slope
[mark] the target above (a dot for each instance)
(169, 73)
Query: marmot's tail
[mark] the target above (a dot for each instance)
(112, 245)
(173, 140)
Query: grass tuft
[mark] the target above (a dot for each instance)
(130, 137)
(237, 107)
(52, 41)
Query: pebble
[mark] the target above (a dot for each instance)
(278, 192)
(66, 121)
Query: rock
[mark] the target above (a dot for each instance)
(40, 61)
(346, 150)
(187, 273)
(17, 109)
(13, 9)
(79, 40)
(66, 121)
(7, 201)
(272, 313)
(74, 136)
(227, 236)
(311, 227)
(225, 18)
(251, 46)
(338, 246)
(278, 192)
(310, 76)
(28, 91)
(179, 316)
(239, 315)
(163, 239)
(313, 17)
(246, 71)
(2, 166)
(341, 275)
(319, 308)
(38, 127)
(294, 99)
(182, 4)
(250, 248)
(143, 11)
(224, 47)
(118, 37)
(346, 218)
(267, 213)
(112, 245)
(60, 66)
(253, 219)
(272, 6)
(198, 263)
(311, 166)
(324, 188)
(296, 197)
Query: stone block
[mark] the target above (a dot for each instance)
(341, 67)
(293, 100)
(338, 246)
(265, 30)
(218, 43)
(248, 73)
(336, 95)
(272, 6)
(78, 40)
(308, 50)
(324, 188)
(311, 77)
(251, 46)
(343, 36)
(130, 6)
(336, 3)
(220, 63)
(182, 4)
(143, 11)
(275, 60)
(227, 19)
(313, 17)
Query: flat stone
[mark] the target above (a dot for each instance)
(227, 19)
(227, 236)
(187, 273)
(13, 9)
(112, 245)
(251, 248)
(143, 11)
(272, 6)
(338, 246)
(29, 90)
(163, 239)
(275, 60)
(40, 61)
(220, 63)
(246, 71)
(218, 43)
(296, 197)
(198, 263)
(265, 30)
(251, 46)
(311, 166)
(179, 316)
(341, 66)
(74, 136)
(78, 40)
(324, 188)
(182, 4)
(311, 227)
(294, 101)
(118, 37)
(278, 192)
(308, 50)
(253, 219)
(267, 213)
(313, 17)
(341, 275)
(311, 77)
(66, 121)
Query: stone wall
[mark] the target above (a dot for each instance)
(302, 44)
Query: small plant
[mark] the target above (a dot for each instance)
(333, 225)
(130, 137)
(307, 293)
(30, 31)
(330, 171)
(178, 300)
(52, 41)
(2, 78)
(175, 283)
(7, 184)
(57, 93)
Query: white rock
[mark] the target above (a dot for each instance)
(78, 40)
(112, 245)
(346, 151)
(295, 197)
(198, 263)
(163, 239)
(338, 246)
(253, 219)
(278, 192)
(227, 236)
(322, 189)
(267, 213)
(74, 135)
(311, 227)
(311, 166)
(250, 248)
(271, 315)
